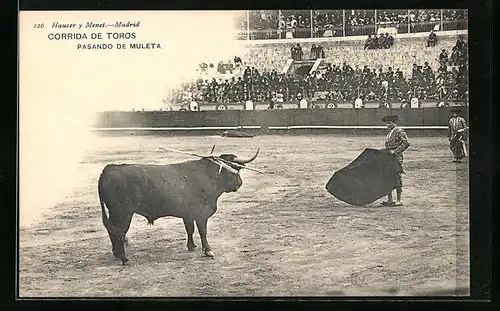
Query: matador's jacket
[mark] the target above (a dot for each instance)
(455, 124)
(397, 140)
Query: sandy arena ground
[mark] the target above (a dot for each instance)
(281, 234)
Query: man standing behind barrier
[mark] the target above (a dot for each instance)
(396, 143)
(456, 135)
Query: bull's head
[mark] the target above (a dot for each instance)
(226, 168)
(229, 170)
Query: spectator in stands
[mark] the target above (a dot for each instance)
(237, 61)
(442, 69)
(462, 56)
(459, 53)
(381, 42)
(321, 52)
(415, 72)
(360, 17)
(327, 23)
(385, 41)
(271, 104)
(454, 57)
(383, 104)
(229, 67)
(443, 57)
(262, 21)
(297, 52)
(460, 43)
(427, 71)
(203, 67)
(297, 22)
(371, 95)
(221, 68)
(368, 43)
(392, 17)
(389, 40)
(247, 73)
(254, 73)
(314, 52)
(432, 39)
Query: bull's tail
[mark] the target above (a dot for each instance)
(102, 197)
(105, 219)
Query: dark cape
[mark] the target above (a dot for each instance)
(371, 176)
(457, 145)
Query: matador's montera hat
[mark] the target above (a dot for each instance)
(392, 118)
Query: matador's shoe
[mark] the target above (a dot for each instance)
(388, 203)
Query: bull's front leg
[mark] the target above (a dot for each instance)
(189, 224)
(202, 229)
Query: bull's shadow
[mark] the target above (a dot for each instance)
(335, 203)
(164, 250)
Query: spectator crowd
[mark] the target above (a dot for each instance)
(298, 54)
(266, 23)
(339, 83)
(384, 41)
(432, 39)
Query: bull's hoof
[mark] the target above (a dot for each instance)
(125, 262)
(191, 247)
(208, 253)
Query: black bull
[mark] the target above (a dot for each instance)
(187, 190)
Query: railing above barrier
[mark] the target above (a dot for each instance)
(317, 104)
(341, 95)
(283, 24)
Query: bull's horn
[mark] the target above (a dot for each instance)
(213, 148)
(245, 161)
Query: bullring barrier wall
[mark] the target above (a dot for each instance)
(424, 121)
